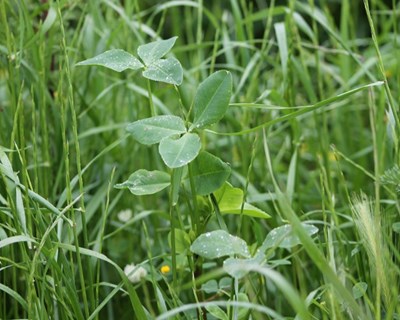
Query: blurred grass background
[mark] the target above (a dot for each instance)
(62, 130)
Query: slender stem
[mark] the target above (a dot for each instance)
(101, 238)
(173, 240)
(253, 156)
(220, 220)
(152, 109)
(182, 107)
(195, 212)
(71, 104)
(381, 68)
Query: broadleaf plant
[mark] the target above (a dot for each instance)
(152, 130)
(116, 59)
(180, 151)
(210, 104)
(209, 173)
(163, 70)
(143, 182)
(219, 243)
(212, 99)
(179, 146)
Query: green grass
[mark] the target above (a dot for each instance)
(311, 134)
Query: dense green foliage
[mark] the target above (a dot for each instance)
(259, 141)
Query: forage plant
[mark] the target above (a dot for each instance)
(190, 166)
(237, 160)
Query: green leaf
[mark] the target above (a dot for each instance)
(116, 59)
(212, 99)
(153, 51)
(228, 197)
(210, 286)
(153, 130)
(217, 312)
(179, 152)
(280, 32)
(238, 268)
(165, 70)
(15, 239)
(283, 236)
(209, 173)
(230, 202)
(359, 289)
(396, 227)
(219, 243)
(15, 296)
(143, 182)
(248, 210)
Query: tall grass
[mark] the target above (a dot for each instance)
(311, 135)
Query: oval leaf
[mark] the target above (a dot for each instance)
(116, 59)
(165, 70)
(210, 286)
(179, 152)
(219, 243)
(212, 99)
(209, 173)
(153, 130)
(230, 202)
(283, 236)
(143, 182)
(153, 51)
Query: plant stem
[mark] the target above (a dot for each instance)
(152, 109)
(195, 212)
(173, 240)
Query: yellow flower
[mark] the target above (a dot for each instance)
(165, 269)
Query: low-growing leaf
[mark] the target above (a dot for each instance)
(228, 197)
(230, 202)
(155, 50)
(248, 210)
(143, 182)
(217, 312)
(116, 59)
(209, 173)
(359, 289)
(179, 152)
(219, 243)
(165, 70)
(210, 286)
(153, 130)
(238, 268)
(283, 236)
(212, 99)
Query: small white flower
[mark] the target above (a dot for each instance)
(134, 273)
(125, 215)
